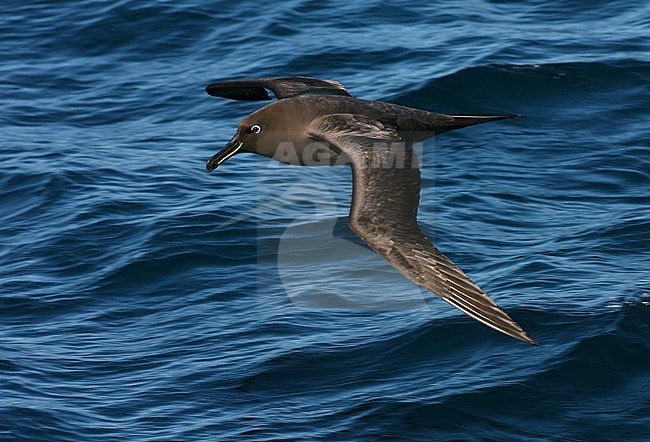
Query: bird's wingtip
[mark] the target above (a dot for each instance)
(500, 117)
(531, 341)
(527, 339)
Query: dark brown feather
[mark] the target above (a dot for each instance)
(254, 89)
(386, 193)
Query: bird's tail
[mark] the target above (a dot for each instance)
(461, 121)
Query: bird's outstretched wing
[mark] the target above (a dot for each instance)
(386, 194)
(254, 89)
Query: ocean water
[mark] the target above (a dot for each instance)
(144, 299)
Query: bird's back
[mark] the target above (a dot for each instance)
(412, 124)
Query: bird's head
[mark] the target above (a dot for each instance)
(262, 132)
(250, 134)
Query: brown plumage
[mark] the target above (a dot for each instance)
(376, 140)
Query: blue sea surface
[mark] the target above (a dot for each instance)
(144, 299)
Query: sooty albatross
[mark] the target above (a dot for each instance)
(317, 122)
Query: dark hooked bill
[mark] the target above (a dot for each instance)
(231, 148)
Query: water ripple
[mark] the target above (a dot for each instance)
(133, 307)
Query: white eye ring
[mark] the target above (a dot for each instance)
(256, 128)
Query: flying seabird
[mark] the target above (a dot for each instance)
(317, 122)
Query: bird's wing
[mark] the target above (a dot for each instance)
(386, 194)
(254, 89)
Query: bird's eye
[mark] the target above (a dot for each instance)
(256, 128)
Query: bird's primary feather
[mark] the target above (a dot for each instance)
(386, 189)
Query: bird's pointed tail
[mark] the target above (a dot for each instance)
(461, 121)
